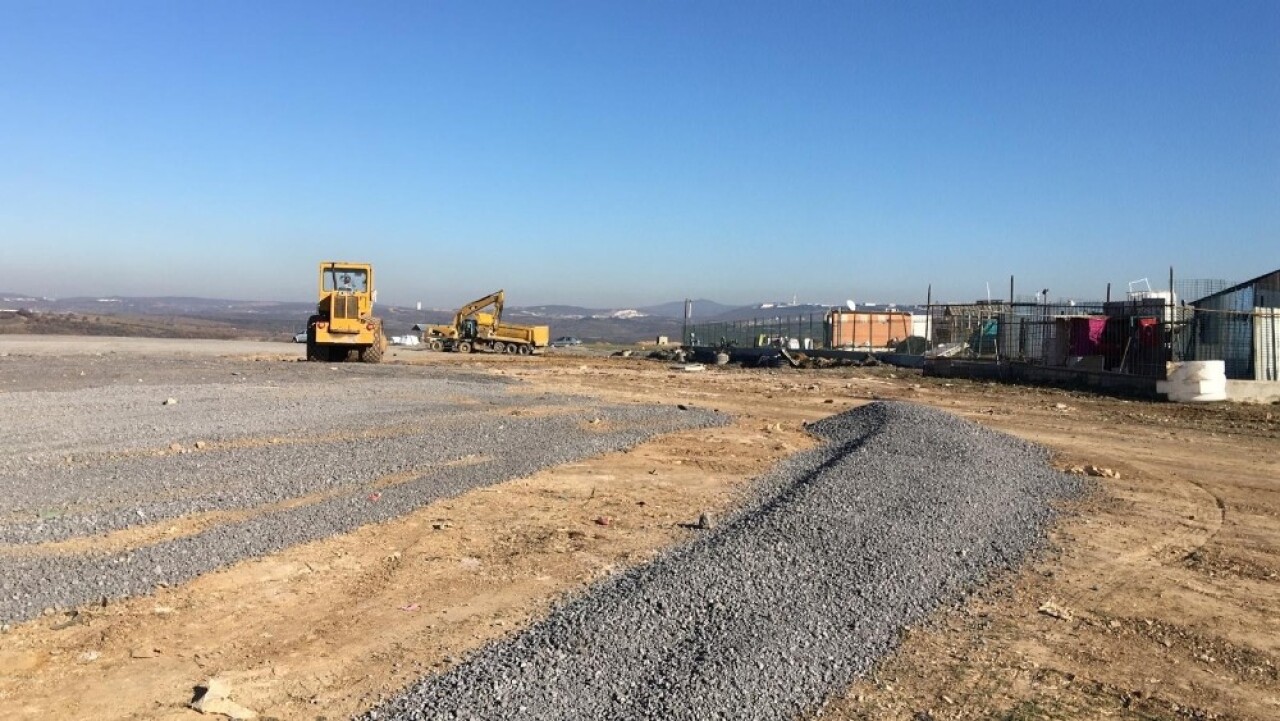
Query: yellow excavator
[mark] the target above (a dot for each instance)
(344, 326)
(478, 326)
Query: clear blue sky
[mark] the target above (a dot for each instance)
(623, 153)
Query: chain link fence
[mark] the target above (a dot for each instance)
(1138, 337)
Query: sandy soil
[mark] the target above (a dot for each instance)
(1158, 598)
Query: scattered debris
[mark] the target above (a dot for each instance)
(1055, 610)
(705, 522)
(168, 401)
(795, 360)
(144, 652)
(603, 520)
(213, 697)
(410, 607)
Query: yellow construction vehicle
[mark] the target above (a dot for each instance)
(343, 325)
(478, 326)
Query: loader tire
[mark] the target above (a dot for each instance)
(435, 345)
(315, 352)
(373, 354)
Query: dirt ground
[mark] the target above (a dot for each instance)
(1157, 599)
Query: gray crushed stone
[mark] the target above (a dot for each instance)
(903, 509)
(441, 433)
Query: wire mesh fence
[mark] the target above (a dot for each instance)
(805, 331)
(1138, 336)
(1248, 342)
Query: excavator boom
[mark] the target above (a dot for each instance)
(494, 299)
(478, 326)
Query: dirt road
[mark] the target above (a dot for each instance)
(1159, 599)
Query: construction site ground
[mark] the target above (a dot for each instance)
(1157, 597)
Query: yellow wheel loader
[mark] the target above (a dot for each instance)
(343, 327)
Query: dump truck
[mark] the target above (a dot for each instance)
(478, 326)
(344, 326)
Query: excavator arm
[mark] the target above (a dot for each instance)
(478, 326)
(494, 299)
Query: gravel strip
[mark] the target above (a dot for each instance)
(46, 427)
(904, 509)
(435, 420)
(65, 500)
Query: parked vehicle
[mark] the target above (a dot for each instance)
(565, 342)
(300, 337)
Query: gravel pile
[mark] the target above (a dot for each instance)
(903, 509)
(440, 436)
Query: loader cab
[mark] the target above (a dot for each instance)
(345, 280)
(346, 296)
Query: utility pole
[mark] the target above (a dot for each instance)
(688, 313)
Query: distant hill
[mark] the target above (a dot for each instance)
(767, 310)
(702, 309)
(189, 317)
(279, 320)
(556, 311)
(788, 310)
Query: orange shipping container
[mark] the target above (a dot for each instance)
(866, 329)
